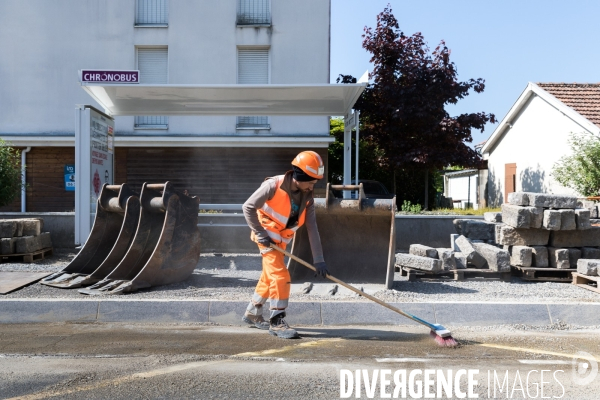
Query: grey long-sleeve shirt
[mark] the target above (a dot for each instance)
(265, 192)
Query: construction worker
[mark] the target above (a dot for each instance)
(280, 206)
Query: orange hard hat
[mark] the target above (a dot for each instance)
(311, 163)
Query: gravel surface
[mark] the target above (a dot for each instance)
(234, 276)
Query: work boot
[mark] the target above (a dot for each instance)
(257, 320)
(280, 328)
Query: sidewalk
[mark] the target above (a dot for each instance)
(221, 285)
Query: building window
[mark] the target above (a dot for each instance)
(253, 69)
(151, 12)
(254, 12)
(153, 66)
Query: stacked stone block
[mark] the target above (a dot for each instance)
(557, 230)
(21, 236)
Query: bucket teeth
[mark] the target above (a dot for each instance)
(135, 242)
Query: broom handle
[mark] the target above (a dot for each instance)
(344, 284)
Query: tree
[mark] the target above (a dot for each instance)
(580, 170)
(403, 110)
(10, 174)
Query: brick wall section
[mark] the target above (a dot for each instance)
(45, 179)
(217, 175)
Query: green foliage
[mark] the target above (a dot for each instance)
(411, 208)
(580, 170)
(370, 164)
(10, 173)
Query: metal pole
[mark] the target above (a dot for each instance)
(347, 157)
(357, 122)
(468, 192)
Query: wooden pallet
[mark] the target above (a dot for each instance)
(543, 274)
(27, 257)
(587, 282)
(456, 274)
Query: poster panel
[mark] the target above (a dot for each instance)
(101, 156)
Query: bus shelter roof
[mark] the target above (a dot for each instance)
(272, 99)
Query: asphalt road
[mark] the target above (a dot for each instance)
(129, 361)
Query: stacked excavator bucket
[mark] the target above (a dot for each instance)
(135, 242)
(358, 238)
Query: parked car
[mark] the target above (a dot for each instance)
(373, 190)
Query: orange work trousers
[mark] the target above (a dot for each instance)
(275, 282)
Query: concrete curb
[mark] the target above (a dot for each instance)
(299, 313)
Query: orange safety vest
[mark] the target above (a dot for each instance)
(275, 213)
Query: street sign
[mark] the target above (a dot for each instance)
(70, 178)
(350, 121)
(109, 76)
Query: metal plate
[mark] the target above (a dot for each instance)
(10, 281)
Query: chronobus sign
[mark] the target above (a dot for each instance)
(109, 76)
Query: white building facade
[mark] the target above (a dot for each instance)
(533, 136)
(45, 43)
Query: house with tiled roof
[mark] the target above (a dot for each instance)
(534, 135)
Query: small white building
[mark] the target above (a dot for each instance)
(534, 135)
(466, 188)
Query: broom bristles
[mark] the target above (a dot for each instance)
(447, 341)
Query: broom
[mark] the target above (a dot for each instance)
(442, 336)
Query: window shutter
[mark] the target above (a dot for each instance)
(253, 66)
(153, 65)
(152, 12)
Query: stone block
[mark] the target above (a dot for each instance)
(574, 256)
(516, 216)
(536, 217)
(518, 198)
(539, 257)
(521, 256)
(582, 218)
(492, 217)
(590, 252)
(552, 200)
(567, 220)
(577, 238)
(559, 258)
(588, 267)
(417, 262)
(474, 228)
(422, 251)
(497, 259)
(45, 240)
(32, 227)
(521, 237)
(467, 248)
(7, 246)
(552, 220)
(461, 260)
(27, 244)
(446, 256)
(8, 228)
(453, 237)
(19, 231)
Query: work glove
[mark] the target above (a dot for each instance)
(321, 268)
(266, 241)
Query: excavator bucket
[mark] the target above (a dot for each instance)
(117, 215)
(358, 238)
(166, 246)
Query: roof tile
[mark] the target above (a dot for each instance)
(582, 97)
